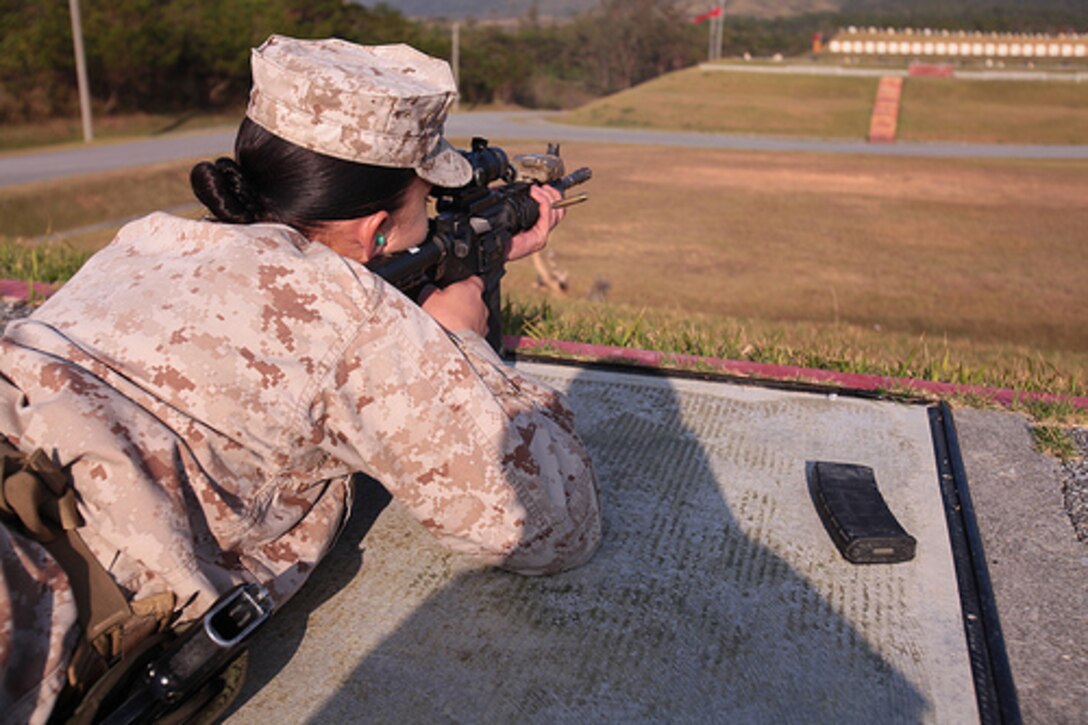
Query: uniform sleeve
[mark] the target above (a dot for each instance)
(487, 459)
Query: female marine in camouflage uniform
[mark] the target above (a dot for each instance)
(208, 386)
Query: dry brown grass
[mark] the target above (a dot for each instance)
(976, 251)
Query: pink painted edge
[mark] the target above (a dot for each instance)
(769, 371)
(17, 290)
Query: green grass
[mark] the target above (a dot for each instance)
(54, 262)
(1055, 441)
(1054, 412)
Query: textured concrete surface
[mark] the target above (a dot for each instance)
(1039, 569)
(716, 596)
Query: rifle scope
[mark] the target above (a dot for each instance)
(489, 163)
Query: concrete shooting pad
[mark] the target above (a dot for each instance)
(716, 596)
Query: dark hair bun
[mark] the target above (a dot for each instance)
(222, 187)
(271, 179)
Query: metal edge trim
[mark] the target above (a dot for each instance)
(994, 687)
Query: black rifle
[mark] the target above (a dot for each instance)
(472, 231)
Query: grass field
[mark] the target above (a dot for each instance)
(972, 265)
(933, 109)
(956, 270)
(989, 249)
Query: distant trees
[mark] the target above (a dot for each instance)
(625, 42)
(168, 55)
(158, 55)
(619, 44)
(37, 70)
(1050, 16)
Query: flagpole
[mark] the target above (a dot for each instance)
(721, 27)
(710, 41)
(714, 32)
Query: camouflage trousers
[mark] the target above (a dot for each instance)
(37, 628)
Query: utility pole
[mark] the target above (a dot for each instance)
(81, 71)
(455, 55)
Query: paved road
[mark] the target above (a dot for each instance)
(61, 163)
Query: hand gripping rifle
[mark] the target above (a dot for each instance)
(475, 223)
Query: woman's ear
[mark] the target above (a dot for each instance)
(366, 232)
(355, 239)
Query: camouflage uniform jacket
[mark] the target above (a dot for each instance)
(210, 387)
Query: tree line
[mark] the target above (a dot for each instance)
(176, 55)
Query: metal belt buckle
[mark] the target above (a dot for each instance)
(234, 617)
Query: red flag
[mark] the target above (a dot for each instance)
(716, 12)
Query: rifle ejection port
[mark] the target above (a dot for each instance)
(235, 616)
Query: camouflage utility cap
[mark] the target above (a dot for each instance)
(384, 105)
